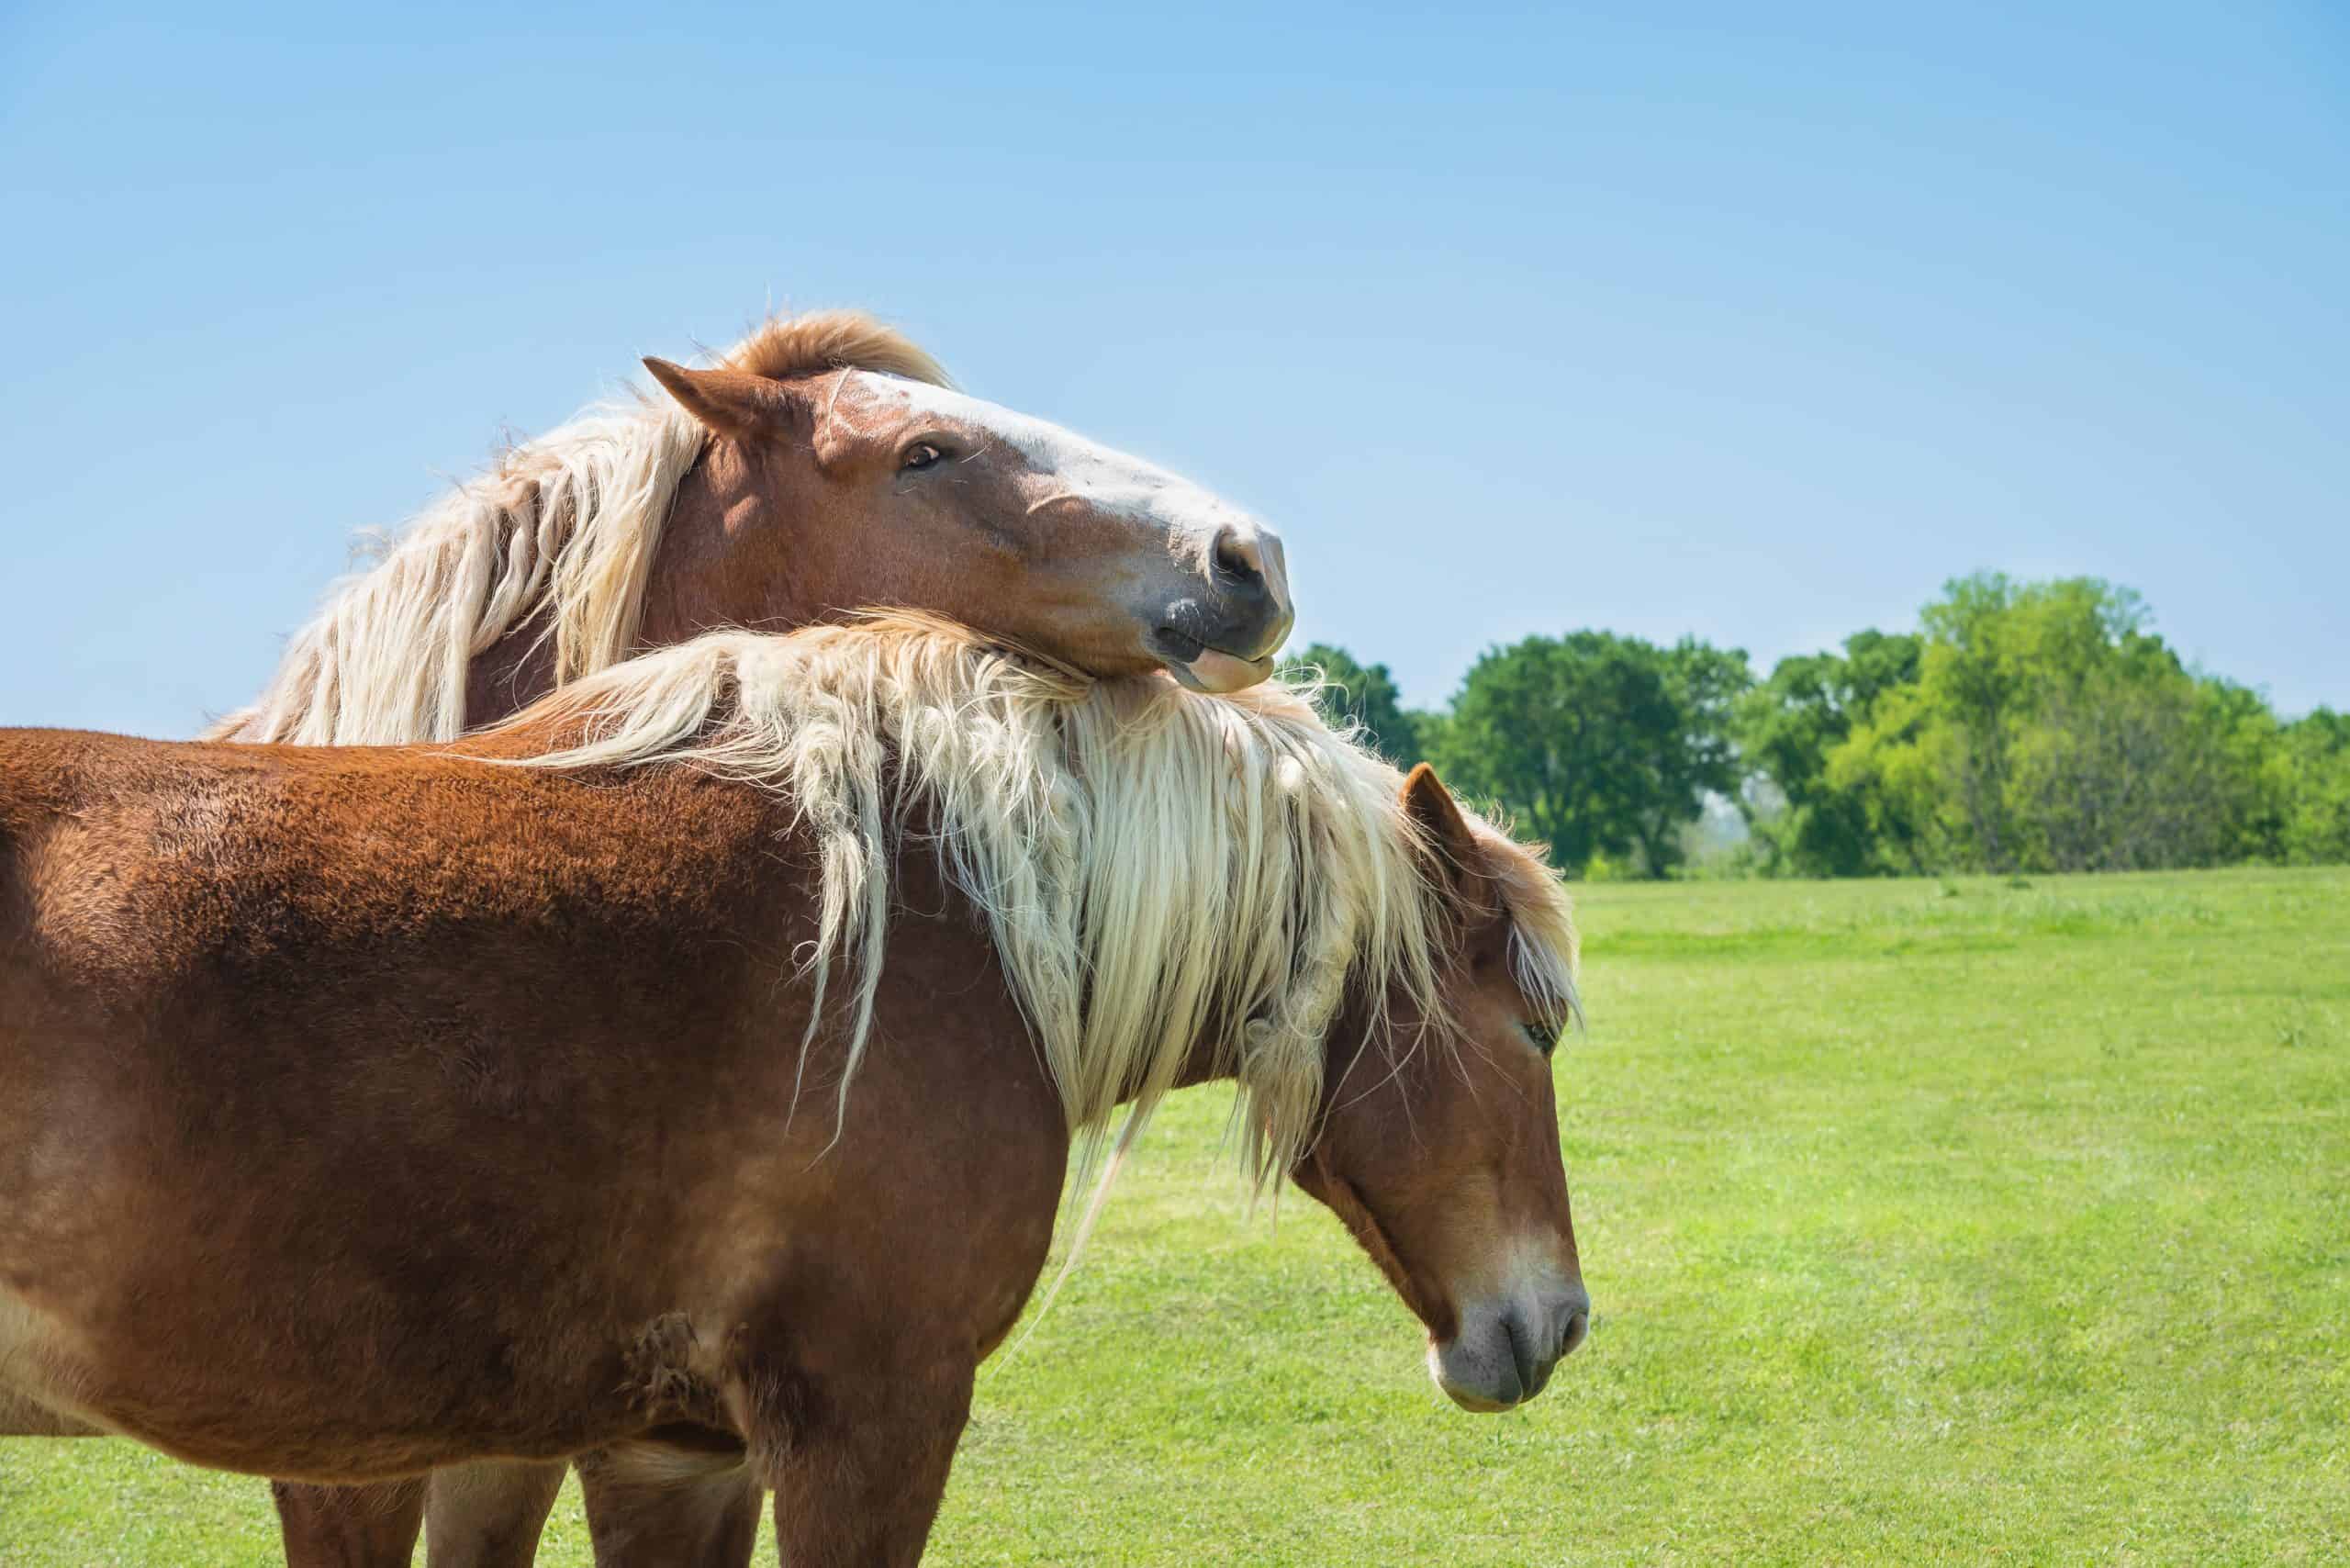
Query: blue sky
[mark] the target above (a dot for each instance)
(1755, 322)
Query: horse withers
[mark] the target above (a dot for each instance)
(374, 1110)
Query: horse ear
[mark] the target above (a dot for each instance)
(728, 402)
(1430, 806)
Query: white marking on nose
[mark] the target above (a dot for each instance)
(1101, 476)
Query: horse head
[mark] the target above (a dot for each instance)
(1438, 1145)
(902, 492)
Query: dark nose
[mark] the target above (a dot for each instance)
(1577, 1323)
(1254, 581)
(1539, 1345)
(1241, 555)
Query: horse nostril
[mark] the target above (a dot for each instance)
(1578, 1324)
(1240, 556)
(1532, 1368)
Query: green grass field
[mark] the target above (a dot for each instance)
(1955, 1222)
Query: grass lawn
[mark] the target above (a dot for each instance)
(1955, 1222)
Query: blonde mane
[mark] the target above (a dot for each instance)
(564, 526)
(1153, 866)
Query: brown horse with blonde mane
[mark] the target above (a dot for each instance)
(823, 468)
(700, 1054)
(823, 465)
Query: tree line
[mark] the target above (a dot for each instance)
(2024, 726)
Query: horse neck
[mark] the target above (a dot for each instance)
(745, 544)
(511, 674)
(1210, 1058)
(737, 549)
(1350, 1035)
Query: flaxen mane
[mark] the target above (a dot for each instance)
(1152, 864)
(564, 527)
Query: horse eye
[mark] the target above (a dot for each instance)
(919, 456)
(1541, 1039)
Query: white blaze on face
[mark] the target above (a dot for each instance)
(1103, 478)
(1213, 610)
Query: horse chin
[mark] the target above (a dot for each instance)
(1487, 1368)
(1217, 673)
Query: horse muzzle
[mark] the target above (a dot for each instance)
(1223, 637)
(1505, 1351)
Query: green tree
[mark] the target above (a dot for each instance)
(2024, 727)
(2133, 766)
(1994, 651)
(1790, 725)
(2314, 766)
(1602, 744)
(2048, 729)
(1362, 695)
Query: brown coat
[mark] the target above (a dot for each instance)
(467, 1095)
(368, 1110)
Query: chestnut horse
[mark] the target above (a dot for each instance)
(822, 465)
(376, 1110)
(821, 468)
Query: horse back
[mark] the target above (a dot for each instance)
(209, 951)
(134, 866)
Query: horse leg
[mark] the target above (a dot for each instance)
(487, 1515)
(858, 1477)
(349, 1527)
(648, 1508)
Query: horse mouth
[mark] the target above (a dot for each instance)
(1200, 667)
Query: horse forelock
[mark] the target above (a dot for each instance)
(787, 346)
(1155, 869)
(561, 530)
(1544, 946)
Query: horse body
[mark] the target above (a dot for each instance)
(378, 1109)
(492, 1125)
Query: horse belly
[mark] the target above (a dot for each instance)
(242, 1407)
(215, 1299)
(31, 1350)
(21, 1418)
